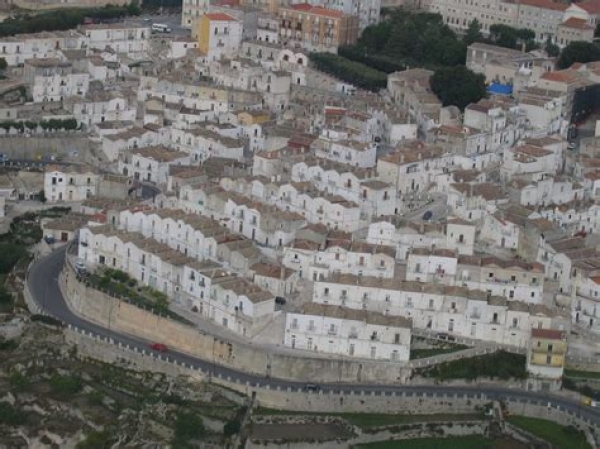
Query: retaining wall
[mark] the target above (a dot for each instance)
(126, 318)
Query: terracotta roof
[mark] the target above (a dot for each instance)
(546, 4)
(580, 24)
(592, 6)
(317, 10)
(548, 333)
(219, 16)
(562, 76)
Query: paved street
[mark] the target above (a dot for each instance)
(173, 21)
(438, 208)
(43, 285)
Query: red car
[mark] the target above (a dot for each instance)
(159, 347)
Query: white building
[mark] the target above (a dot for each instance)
(54, 80)
(151, 163)
(69, 183)
(454, 310)
(127, 38)
(354, 333)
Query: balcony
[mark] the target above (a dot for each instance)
(331, 331)
(353, 335)
(294, 326)
(475, 315)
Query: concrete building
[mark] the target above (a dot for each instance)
(192, 11)
(547, 353)
(70, 183)
(454, 310)
(315, 28)
(151, 164)
(218, 35)
(54, 80)
(354, 333)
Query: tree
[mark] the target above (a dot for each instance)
(3, 64)
(188, 426)
(473, 33)
(133, 9)
(374, 37)
(578, 52)
(551, 48)
(458, 86)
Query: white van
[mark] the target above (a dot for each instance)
(160, 28)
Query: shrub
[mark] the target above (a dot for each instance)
(232, 427)
(188, 426)
(10, 415)
(66, 385)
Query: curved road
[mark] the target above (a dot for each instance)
(43, 285)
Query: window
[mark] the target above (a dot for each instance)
(549, 360)
(397, 338)
(326, 291)
(431, 303)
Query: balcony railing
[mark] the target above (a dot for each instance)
(332, 331)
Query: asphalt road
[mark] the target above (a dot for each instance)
(43, 285)
(173, 21)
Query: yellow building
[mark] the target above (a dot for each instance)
(248, 118)
(547, 352)
(218, 34)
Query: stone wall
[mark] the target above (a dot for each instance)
(126, 318)
(21, 147)
(296, 399)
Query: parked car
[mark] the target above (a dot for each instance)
(80, 267)
(49, 239)
(428, 215)
(279, 300)
(160, 347)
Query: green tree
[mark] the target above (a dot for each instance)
(3, 64)
(473, 33)
(375, 37)
(133, 9)
(551, 48)
(161, 304)
(188, 426)
(458, 86)
(578, 52)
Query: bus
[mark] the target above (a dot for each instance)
(160, 28)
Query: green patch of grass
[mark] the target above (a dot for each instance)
(371, 420)
(424, 353)
(466, 442)
(582, 374)
(501, 365)
(560, 437)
